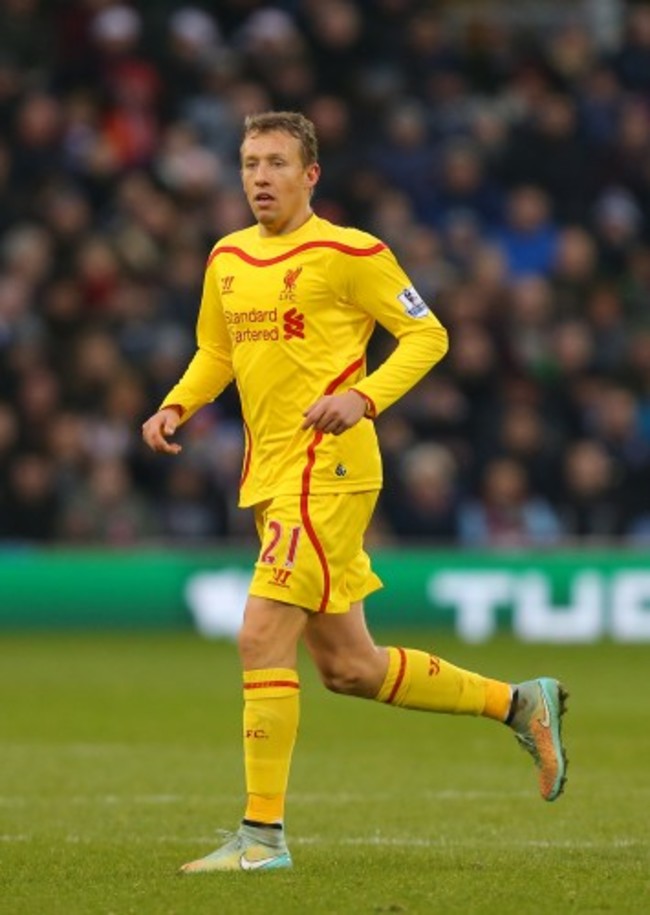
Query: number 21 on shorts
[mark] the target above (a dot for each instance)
(270, 552)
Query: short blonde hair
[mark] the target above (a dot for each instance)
(291, 122)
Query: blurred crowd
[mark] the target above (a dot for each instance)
(505, 159)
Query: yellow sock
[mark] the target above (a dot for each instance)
(419, 680)
(271, 711)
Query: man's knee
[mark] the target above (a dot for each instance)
(252, 644)
(269, 634)
(350, 677)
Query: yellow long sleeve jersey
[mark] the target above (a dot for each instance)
(289, 318)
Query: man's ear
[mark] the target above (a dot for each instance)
(313, 174)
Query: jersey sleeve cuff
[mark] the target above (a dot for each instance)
(371, 409)
(174, 406)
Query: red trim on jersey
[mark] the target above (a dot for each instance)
(247, 454)
(369, 403)
(333, 385)
(306, 480)
(293, 684)
(268, 262)
(400, 676)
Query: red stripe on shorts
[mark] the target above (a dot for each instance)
(400, 676)
(306, 481)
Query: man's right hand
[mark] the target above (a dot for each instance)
(158, 427)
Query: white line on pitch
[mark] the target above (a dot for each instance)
(298, 798)
(363, 841)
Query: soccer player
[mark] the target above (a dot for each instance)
(288, 307)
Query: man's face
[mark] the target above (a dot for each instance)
(276, 182)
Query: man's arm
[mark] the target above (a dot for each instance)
(211, 368)
(379, 286)
(209, 372)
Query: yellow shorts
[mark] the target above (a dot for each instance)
(312, 550)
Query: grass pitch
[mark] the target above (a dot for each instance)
(120, 756)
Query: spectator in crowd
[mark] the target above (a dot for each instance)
(31, 500)
(506, 514)
(463, 187)
(106, 509)
(424, 504)
(591, 504)
(528, 236)
(525, 436)
(193, 509)
(549, 153)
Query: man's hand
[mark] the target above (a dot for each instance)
(158, 427)
(335, 412)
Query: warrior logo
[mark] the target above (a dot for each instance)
(281, 577)
(288, 294)
(294, 324)
(226, 284)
